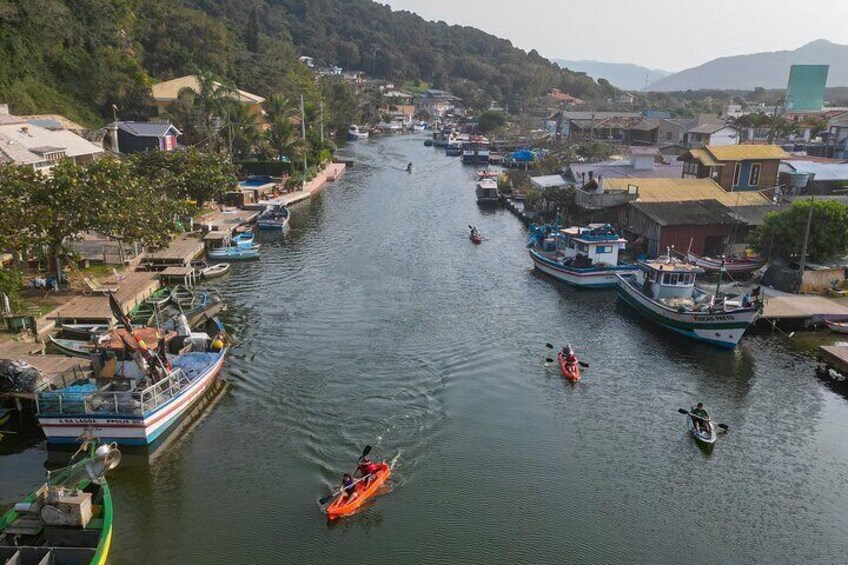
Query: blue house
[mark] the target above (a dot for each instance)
(134, 137)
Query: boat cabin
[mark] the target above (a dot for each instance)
(487, 191)
(475, 150)
(668, 278)
(591, 245)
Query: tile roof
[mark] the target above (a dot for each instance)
(694, 213)
(746, 152)
(685, 190)
(170, 89)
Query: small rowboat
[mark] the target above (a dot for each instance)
(707, 438)
(341, 507)
(570, 372)
(218, 270)
(838, 327)
(728, 265)
(85, 331)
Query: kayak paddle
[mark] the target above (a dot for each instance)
(331, 496)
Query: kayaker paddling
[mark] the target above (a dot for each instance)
(700, 418)
(348, 487)
(367, 470)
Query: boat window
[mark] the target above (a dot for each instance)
(666, 278)
(583, 247)
(603, 249)
(674, 278)
(570, 243)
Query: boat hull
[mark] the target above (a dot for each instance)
(129, 430)
(571, 373)
(338, 509)
(722, 329)
(713, 266)
(840, 328)
(586, 278)
(706, 439)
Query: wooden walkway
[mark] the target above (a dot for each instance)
(796, 307)
(133, 289)
(835, 356)
(226, 221)
(179, 253)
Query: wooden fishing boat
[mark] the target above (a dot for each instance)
(85, 331)
(346, 506)
(663, 291)
(274, 218)
(726, 264)
(110, 341)
(68, 520)
(142, 400)
(704, 436)
(182, 296)
(213, 271)
(838, 327)
(586, 257)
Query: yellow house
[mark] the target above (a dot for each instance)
(165, 93)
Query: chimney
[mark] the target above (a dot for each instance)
(113, 130)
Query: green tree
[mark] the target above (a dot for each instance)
(782, 233)
(489, 121)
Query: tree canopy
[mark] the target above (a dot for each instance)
(782, 233)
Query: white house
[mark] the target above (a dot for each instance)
(711, 134)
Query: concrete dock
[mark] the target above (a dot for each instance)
(331, 173)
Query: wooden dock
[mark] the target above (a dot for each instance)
(835, 357)
(180, 253)
(133, 289)
(795, 307)
(58, 369)
(226, 221)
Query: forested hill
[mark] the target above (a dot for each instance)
(80, 57)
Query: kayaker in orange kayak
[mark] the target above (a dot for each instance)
(570, 357)
(348, 487)
(368, 469)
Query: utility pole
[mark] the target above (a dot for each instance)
(303, 132)
(322, 123)
(803, 261)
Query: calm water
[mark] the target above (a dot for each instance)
(377, 321)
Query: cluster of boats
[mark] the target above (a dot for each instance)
(662, 290)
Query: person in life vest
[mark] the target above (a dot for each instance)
(570, 357)
(348, 487)
(368, 469)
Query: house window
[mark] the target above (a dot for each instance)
(754, 176)
(737, 172)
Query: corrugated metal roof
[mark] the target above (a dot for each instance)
(746, 152)
(756, 215)
(549, 181)
(821, 171)
(19, 142)
(147, 129)
(693, 213)
(685, 190)
(701, 155)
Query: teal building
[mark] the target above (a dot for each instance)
(805, 91)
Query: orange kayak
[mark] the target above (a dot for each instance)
(364, 490)
(570, 372)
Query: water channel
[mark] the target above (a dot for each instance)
(376, 321)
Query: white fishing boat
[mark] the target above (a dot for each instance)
(487, 192)
(725, 264)
(274, 217)
(354, 133)
(475, 150)
(580, 256)
(133, 402)
(663, 291)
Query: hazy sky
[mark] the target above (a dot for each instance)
(667, 34)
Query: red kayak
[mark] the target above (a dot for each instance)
(364, 490)
(570, 372)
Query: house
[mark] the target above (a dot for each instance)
(308, 61)
(166, 93)
(605, 126)
(673, 130)
(645, 132)
(705, 227)
(626, 98)
(558, 99)
(643, 162)
(134, 137)
(436, 103)
(802, 176)
(836, 144)
(711, 134)
(735, 167)
(28, 144)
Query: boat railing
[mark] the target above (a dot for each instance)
(128, 403)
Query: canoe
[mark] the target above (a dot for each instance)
(570, 372)
(702, 437)
(218, 270)
(364, 490)
(838, 327)
(234, 253)
(476, 238)
(43, 528)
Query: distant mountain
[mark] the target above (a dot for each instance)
(623, 75)
(769, 70)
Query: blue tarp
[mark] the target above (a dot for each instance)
(523, 155)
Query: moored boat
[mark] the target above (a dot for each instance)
(345, 506)
(68, 519)
(475, 151)
(838, 327)
(487, 192)
(274, 218)
(725, 264)
(581, 256)
(135, 402)
(354, 132)
(233, 253)
(85, 331)
(663, 291)
(213, 271)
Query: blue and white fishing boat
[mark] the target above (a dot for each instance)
(238, 252)
(140, 401)
(274, 217)
(580, 256)
(663, 291)
(244, 240)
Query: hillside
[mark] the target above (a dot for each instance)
(81, 57)
(622, 75)
(769, 70)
